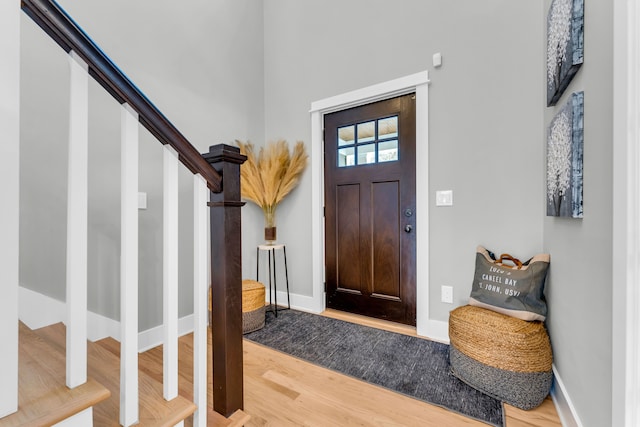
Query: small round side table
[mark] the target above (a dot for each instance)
(271, 252)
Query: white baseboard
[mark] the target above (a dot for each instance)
(153, 337)
(562, 401)
(298, 302)
(99, 327)
(437, 330)
(37, 311)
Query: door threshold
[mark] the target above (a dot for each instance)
(372, 322)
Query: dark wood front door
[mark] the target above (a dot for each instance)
(370, 243)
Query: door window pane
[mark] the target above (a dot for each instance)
(346, 135)
(366, 154)
(388, 128)
(388, 151)
(346, 156)
(366, 132)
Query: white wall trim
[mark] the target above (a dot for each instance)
(424, 326)
(99, 327)
(38, 310)
(418, 82)
(377, 92)
(566, 411)
(153, 337)
(10, 15)
(437, 330)
(626, 216)
(298, 302)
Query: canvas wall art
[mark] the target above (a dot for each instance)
(565, 140)
(565, 45)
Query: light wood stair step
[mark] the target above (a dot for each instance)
(43, 397)
(151, 364)
(104, 366)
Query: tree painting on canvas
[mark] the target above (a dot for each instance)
(565, 138)
(565, 45)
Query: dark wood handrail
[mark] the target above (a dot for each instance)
(64, 30)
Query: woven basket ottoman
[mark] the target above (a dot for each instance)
(252, 306)
(507, 358)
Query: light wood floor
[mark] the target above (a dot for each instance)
(284, 391)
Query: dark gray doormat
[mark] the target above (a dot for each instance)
(413, 366)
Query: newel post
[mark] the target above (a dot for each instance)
(226, 280)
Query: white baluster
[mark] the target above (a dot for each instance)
(200, 217)
(170, 273)
(77, 208)
(129, 268)
(10, 206)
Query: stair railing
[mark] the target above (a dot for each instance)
(87, 59)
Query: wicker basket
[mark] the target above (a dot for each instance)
(507, 358)
(252, 306)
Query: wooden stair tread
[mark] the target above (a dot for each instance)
(154, 409)
(43, 397)
(104, 366)
(150, 365)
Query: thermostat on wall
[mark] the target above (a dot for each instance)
(142, 200)
(437, 59)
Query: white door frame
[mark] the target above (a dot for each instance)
(418, 83)
(626, 215)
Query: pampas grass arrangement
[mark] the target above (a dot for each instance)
(266, 178)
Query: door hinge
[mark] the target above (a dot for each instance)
(324, 211)
(325, 286)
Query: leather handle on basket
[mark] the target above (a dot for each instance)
(506, 257)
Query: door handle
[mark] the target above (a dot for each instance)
(408, 228)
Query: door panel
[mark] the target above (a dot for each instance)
(386, 241)
(369, 185)
(348, 237)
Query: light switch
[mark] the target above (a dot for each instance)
(444, 198)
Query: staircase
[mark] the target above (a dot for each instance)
(45, 400)
(54, 376)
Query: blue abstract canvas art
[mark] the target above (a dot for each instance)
(565, 141)
(565, 45)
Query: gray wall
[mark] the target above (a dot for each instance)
(201, 63)
(579, 287)
(485, 124)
